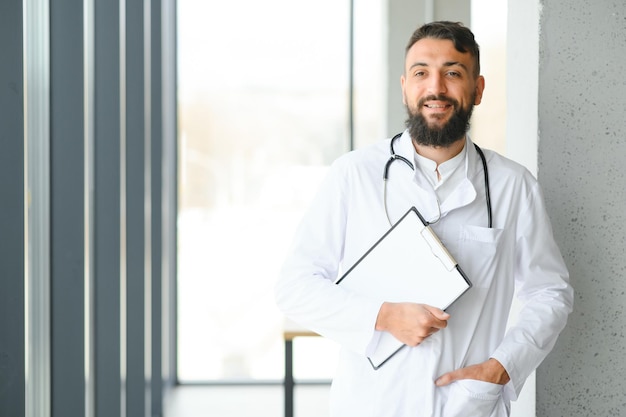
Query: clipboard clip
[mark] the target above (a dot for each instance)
(438, 249)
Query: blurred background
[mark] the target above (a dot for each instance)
(267, 100)
(157, 154)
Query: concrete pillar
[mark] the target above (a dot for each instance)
(581, 152)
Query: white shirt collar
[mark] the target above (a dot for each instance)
(438, 175)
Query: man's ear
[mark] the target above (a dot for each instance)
(402, 81)
(480, 87)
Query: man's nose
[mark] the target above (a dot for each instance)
(436, 85)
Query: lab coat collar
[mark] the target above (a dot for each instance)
(466, 192)
(404, 146)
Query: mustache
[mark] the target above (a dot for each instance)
(441, 97)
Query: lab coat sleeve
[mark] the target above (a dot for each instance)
(542, 287)
(305, 291)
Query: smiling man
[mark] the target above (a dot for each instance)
(489, 213)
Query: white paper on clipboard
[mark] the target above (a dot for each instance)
(408, 264)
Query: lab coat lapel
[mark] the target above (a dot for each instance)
(404, 188)
(404, 147)
(407, 150)
(465, 193)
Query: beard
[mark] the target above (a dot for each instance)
(439, 136)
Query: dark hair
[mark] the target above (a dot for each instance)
(461, 36)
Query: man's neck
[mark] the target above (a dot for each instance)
(440, 154)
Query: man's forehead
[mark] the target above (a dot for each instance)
(435, 47)
(430, 51)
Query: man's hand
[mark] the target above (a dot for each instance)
(411, 323)
(489, 371)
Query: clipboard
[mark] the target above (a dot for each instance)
(407, 264)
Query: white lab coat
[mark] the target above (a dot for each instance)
(517, 256)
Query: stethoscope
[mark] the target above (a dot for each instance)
(396, 157)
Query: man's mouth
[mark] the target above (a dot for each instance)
(437, 103)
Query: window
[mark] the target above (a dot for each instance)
(264, 108)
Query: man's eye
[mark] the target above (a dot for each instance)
(454, 74)
(419, 73)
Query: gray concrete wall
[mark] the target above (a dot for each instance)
(581, 151)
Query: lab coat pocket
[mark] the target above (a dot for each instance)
(474, 398)
(480, 248)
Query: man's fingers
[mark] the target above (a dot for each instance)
(414, 341)
(490, 371)
(462, 373)
(437, 312)
(446, 379)
(440, 317)
(409, 322)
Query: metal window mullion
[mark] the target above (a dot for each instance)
(123, 203)
(351, 78)
(147, 76)
(37, 206)
(169, 191)
(89, 204)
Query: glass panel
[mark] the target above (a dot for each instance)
(489, 120)
(370, 71)
(263, 101)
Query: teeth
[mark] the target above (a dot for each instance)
(435, 106)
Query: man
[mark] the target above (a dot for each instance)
(459, 362)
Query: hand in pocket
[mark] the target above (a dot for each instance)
(490, 371)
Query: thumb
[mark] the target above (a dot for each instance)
(438, 313)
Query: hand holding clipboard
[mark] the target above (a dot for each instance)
(407, 264)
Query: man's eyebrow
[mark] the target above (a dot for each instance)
(418, 64)
(455, 63)
(446, 64)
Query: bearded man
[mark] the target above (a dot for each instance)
(489, 213)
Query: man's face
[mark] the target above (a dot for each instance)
(439, 89)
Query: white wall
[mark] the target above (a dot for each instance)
(522, 82)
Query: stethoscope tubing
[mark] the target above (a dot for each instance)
(396, 157)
